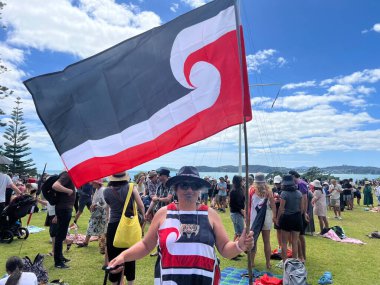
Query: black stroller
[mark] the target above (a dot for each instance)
(10, 218)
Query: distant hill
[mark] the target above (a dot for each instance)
(349, 169)
(343, 169)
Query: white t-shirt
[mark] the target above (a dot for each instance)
(27, 278)
(377, 191)
(336, 190)
(5, 181)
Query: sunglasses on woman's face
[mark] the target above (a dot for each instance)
(187, 184)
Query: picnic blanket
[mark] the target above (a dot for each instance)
(233, 276)
(79, 238)
(34, 229)
(332, 235)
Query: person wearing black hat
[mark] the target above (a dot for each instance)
(289, 216)
(302, 187)
(187, 234)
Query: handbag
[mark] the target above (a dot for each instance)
(129, 230)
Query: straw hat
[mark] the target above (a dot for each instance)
(121, 176)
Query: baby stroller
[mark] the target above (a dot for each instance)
(10, 218)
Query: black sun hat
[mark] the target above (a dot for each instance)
(187, 173)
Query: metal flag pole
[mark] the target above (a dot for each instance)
(240, 50)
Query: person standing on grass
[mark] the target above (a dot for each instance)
(187, 233)
(377, 194)
(63, 211)
(237, 200)
(302, 187)
(222, 194)
(115, 195)
(335, 190)
(85, 195)
(6, 182)
(368, 198)
(261, 199)
(289, 218)
(277, 194)
(97, 225)
(319, 202)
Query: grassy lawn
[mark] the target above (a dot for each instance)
(349, 264)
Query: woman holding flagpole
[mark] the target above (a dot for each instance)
(187, 233)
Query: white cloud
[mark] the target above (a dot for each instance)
(289, 86)
(264, 57)
(82, 30)
(358, 77)
(195, 3)
(174, 7)
(376, 28)
(340, 89)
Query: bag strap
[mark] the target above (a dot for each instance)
(131, 185)
(130, 190)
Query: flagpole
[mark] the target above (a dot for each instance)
(240, 49)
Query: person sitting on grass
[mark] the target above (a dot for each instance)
(14, 267)
(187, 233)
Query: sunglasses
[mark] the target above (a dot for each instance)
(186, 185)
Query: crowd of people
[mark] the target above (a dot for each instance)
(181, 202)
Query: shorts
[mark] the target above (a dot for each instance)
(334, 202)
(53, 228)
(222, 199)
(304, 225)
(357, 194)
(84, 203)
(238, 222)
(204, 196)
(347, 197)
(291, 223)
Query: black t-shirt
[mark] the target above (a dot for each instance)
(65, 201)
(237, 201)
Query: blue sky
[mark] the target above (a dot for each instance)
(324, 55)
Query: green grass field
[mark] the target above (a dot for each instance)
(349, 264)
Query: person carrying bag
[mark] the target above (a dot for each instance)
(129, 230)
(123, 228)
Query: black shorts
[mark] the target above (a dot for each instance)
(53, 228)
(129, 267)
(291, 223)
(304, 225)
(84, 203)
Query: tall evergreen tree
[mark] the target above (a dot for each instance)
(16, 147)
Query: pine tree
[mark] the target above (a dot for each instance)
(15, 146)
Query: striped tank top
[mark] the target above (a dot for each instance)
(186, 249)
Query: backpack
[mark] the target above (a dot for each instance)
(47, 190)
(37, 267)
(294, 272)
(339, 232)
